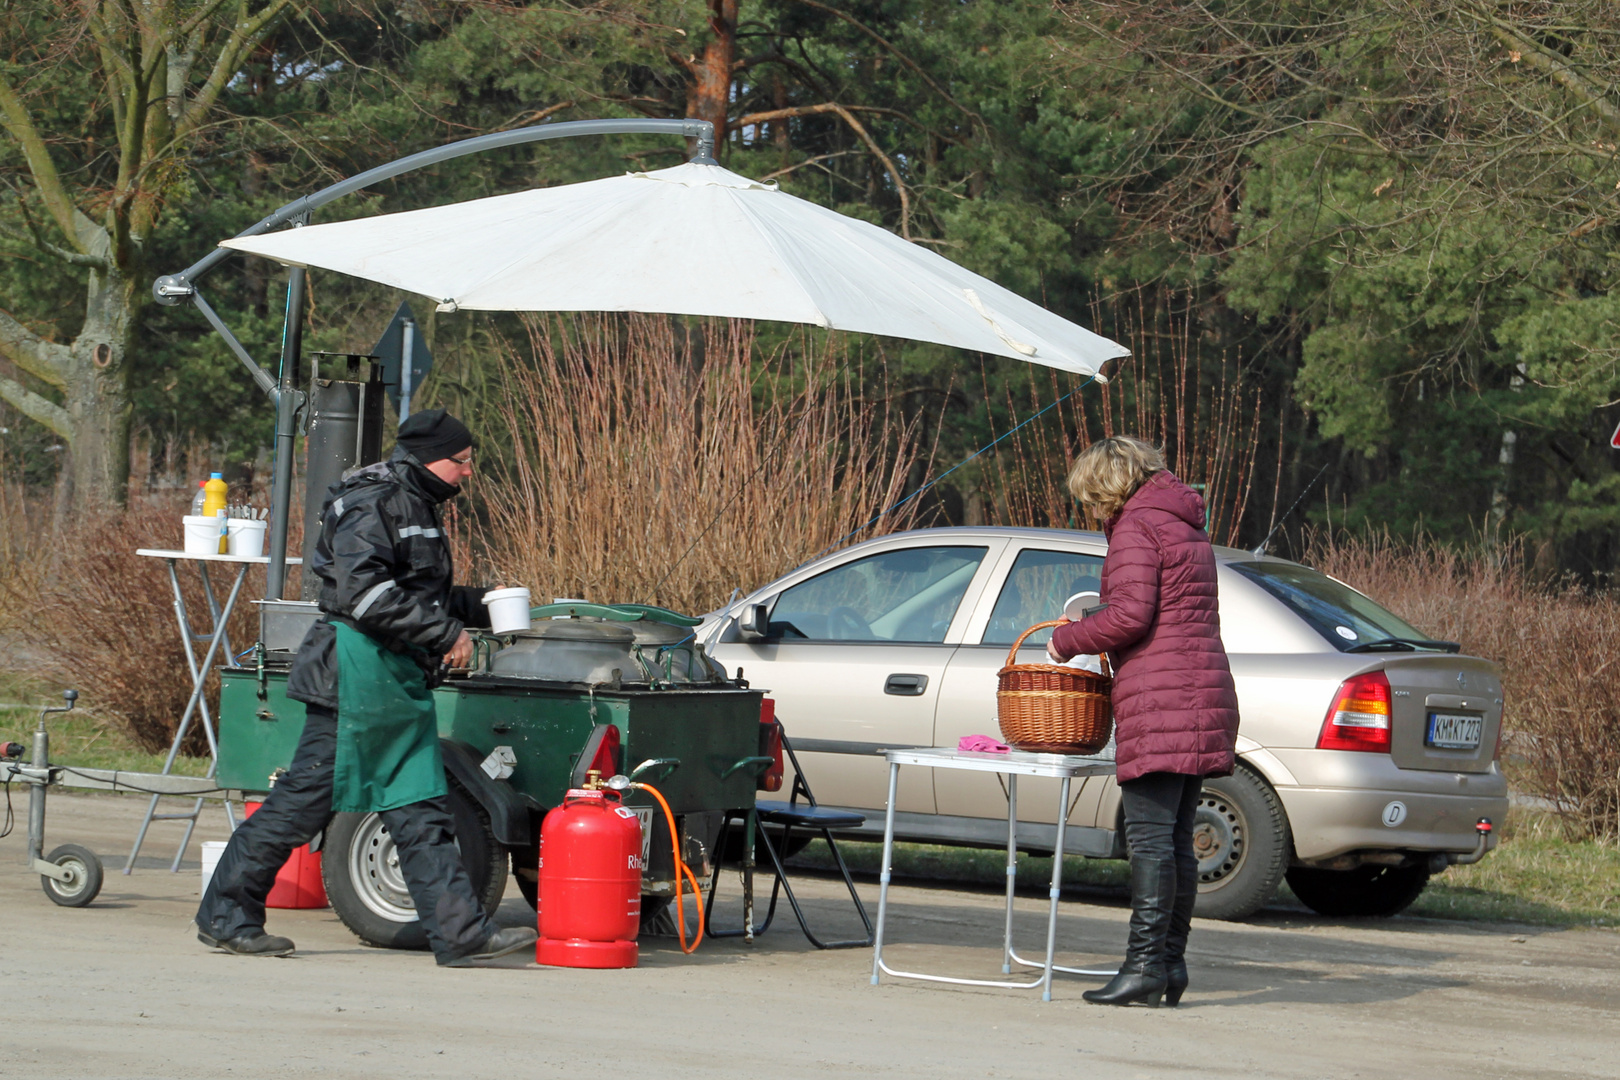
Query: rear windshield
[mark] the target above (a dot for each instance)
(1340, 614)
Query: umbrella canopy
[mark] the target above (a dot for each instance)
(689, 240)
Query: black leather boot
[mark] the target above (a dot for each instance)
(1141, 979)
(1175, 944)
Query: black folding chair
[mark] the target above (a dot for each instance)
(790, 815)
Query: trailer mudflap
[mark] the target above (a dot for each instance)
(511, 813)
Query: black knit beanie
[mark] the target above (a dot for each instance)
(432, 435)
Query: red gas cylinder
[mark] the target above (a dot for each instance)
(590, 882)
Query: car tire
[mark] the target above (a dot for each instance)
(1368, 891)
(366, 889)
(1242, 838)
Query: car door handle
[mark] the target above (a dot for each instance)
(906, 685)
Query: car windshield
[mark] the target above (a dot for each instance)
(1341, 615)
(908, 595)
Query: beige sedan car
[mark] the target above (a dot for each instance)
(1366, 754)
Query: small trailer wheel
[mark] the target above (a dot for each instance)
(85, 882)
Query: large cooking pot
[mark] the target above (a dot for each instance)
(601, 645)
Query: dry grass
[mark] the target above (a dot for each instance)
(1555, 644)
(659, 464)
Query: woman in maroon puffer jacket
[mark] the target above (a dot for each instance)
(1175, 707)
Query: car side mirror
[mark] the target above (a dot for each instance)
(754, 623)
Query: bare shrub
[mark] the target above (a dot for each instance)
(1555, 644)
(104, 621)
(25, 535)
(1172, 391)
(632, 435)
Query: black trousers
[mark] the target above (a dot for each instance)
(298, 807)
(1159, 812)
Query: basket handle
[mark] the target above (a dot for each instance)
(1012, 654)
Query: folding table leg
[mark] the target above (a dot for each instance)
(1012, 869)
(194, 705)
(1057, 890)
(883, 877)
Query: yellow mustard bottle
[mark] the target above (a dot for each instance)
(214, 493)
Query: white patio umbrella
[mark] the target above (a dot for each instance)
(691, 240)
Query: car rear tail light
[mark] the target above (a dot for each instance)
(1501, 726)
(1359, 718)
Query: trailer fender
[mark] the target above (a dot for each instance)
(511, 813)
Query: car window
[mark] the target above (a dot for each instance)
(1344, 617)
(1036, 589)
(907, 595)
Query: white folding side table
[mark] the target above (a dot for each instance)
(1012, 765)
(216, 636)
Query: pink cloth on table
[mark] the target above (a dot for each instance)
(982, 744)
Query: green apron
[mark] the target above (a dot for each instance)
(388, 731)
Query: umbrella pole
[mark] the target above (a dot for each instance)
(287, 401)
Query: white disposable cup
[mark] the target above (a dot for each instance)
(202, 535)
(508, 610)
(211, 851)
(244, 536)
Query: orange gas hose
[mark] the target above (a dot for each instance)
(680, 869)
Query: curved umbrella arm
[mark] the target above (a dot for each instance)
(170, 289)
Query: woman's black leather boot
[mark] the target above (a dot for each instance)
(1141, 979)
(1175, 945)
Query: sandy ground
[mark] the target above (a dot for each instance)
(123, 989)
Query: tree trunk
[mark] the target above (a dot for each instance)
(710, 97)
(97, 393)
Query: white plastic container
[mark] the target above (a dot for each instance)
(211, 851)
(202, 535)
(508, 610)
(244, 536)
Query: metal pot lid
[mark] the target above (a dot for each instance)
(581, 630)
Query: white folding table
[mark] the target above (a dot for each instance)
(216, 636)
(1012, 765)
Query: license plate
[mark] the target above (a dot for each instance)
(644, 815)
(1454, 731)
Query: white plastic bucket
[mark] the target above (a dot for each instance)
(202, 535)
(508, 610)
(211, 851)
(244, 536)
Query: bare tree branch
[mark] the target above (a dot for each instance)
(848, 116)
(1544, 59)
(20, 126)
(245, 35)
(902, 57)
(45, 359)
(37, 408)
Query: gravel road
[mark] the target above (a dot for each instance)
(123, 989)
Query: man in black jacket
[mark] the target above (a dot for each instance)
(390, 614)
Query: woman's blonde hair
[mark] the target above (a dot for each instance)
(1108, 472)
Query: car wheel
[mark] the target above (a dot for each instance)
(1243, 844)
(366, 885)
(1367, 891)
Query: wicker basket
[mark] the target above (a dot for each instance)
(1052, 709)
